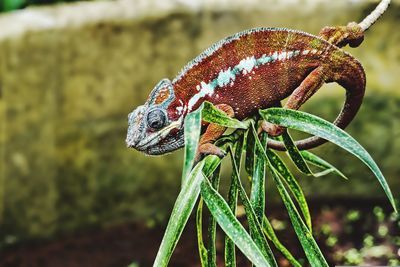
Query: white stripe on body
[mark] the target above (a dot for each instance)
(245, 67)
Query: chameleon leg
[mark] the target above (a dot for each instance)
(352, 34)
(301, 94)
(212, 133)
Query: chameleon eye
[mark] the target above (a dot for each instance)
(156, 119)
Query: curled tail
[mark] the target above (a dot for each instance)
(351, 76)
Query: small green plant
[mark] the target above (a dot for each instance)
(200, 184)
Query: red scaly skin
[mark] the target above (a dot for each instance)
(271, 82)
(241, 74)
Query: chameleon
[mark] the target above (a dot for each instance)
(251, 70)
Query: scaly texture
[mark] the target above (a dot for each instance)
(251, 70)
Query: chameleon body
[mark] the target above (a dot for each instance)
(243, 73)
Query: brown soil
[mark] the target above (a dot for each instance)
(120, 245)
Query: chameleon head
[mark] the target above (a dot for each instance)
(156, 128)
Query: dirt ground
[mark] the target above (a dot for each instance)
(123, 244)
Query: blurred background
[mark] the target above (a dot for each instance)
(72, 194)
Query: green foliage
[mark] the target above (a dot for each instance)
(78, 173)
(295, 154)
(202, 181)
(293, 185)
(318, 162)
(180, 214)
(313, 125)
(373, 242)
(231, 226)
(9, 5)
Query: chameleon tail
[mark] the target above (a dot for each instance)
(374, 15)
(352, 78)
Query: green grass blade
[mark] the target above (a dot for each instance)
(212, 114)
(193, 129)
(257, 199)
(229, 252)
(211, 163)
(192, 135)
(318, 162)
(208, 254)
(254, 225)
(295, 154)
(270, 234)
(212, 226)
(257, 193)
(250, 151)
(199, 227)
(180, 214)
(310, 247)
(292, 183)
(230, 224)
(313, 125)
(287, 176)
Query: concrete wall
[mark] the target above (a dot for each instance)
(70, 74)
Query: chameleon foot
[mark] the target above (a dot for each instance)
(272, 129)
(352, 35)
(209, 149)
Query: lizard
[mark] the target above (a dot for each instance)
(251, 70)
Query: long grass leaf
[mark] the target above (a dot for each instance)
(192, 136)
(212, 226)
(257, 199)
(230, 224)
(212, 114)
(250, 151)
(311, 249)
(203, 254)
(209, 113)
(229, 252)
(270, 234)
(180, 214)
(295, 154)
(292, 183)
(287, 177)
(257, 193)
(321, 163)
(254, 224)
(314, 125)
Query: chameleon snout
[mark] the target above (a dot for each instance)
(135, 127)
(132, 138)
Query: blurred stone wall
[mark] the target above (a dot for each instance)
(70, 74)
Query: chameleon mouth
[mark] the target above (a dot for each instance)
(154, 138)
